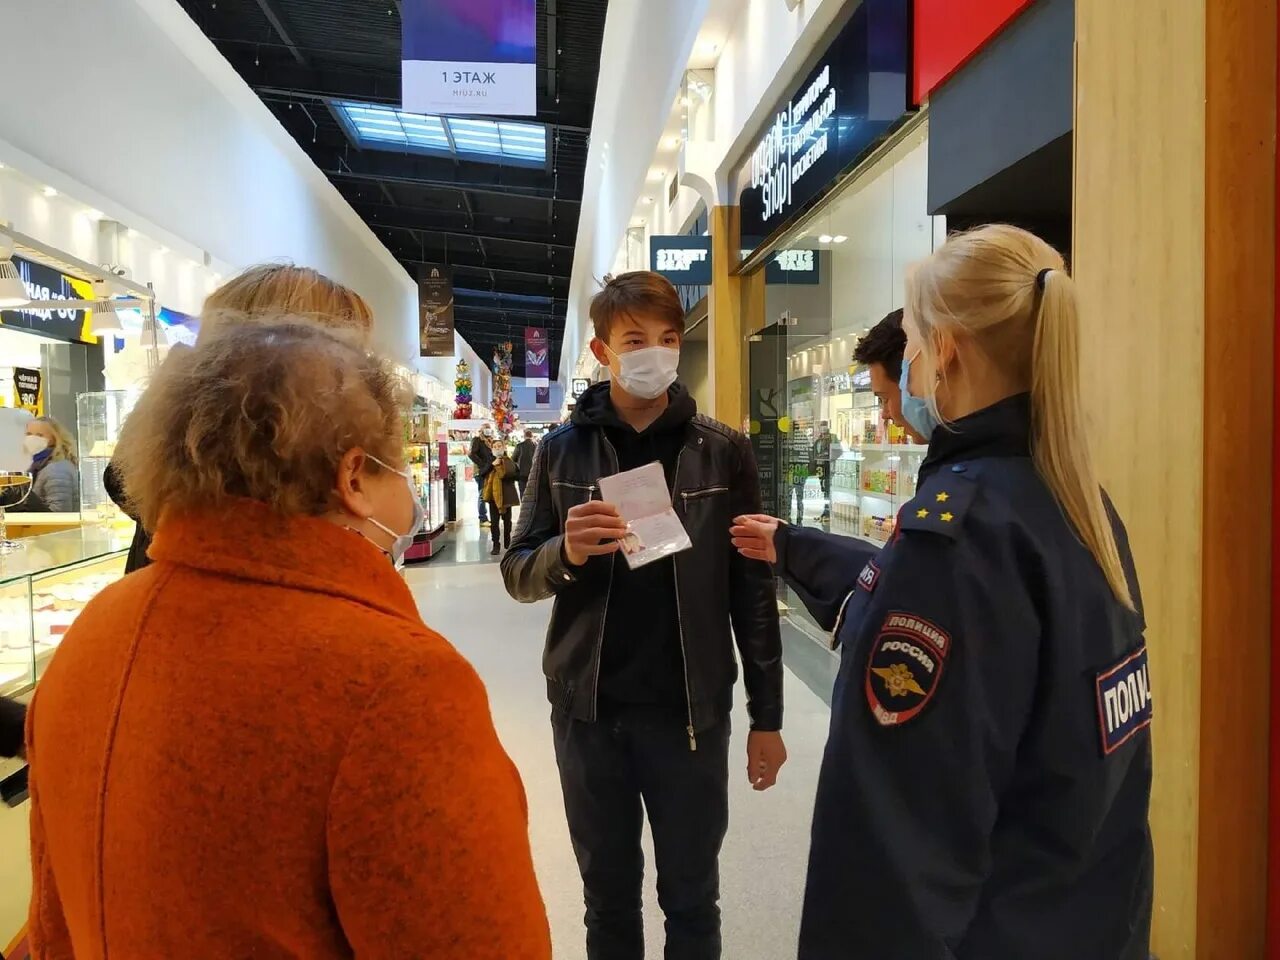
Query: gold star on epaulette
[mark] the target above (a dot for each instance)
(947, 517)
(943, 497)
(922, 513)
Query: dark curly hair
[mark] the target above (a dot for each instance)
(884, 344)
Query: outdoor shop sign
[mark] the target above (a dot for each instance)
(856, 93)
(460, 57)
(793, 267)
(46, 283)
(685, 261)
(435, 311)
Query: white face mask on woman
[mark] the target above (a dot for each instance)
(647, 373)
(34, 443)
(401, 542)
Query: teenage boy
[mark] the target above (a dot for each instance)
(881, 351)
(640, 663)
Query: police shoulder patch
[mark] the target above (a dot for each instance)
(904, 667)
(1124, 700)
(941, 503)
(869, 576)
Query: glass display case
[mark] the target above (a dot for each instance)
(99, 417)
(423, 443)
(43, 588)
(874, 480)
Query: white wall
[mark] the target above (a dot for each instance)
(645, 48)
(134, 110)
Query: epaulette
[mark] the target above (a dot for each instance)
(941, 502)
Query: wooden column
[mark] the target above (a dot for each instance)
(735, 308)
(1175, 263)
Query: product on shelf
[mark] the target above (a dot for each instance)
(880, 481)
(878, 528)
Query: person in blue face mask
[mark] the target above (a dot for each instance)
(985, 786)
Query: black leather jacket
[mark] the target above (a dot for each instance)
(716, 589)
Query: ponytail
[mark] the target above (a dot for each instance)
(1059, 446)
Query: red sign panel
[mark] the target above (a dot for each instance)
(949, 32)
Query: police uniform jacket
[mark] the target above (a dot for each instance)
(985, 786)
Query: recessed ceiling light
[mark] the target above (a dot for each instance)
(839, 238)
(825, 238)
(658, 174)
(709, 47)
(673, 142)
(648, 201)
(50, 192)
(684, 101)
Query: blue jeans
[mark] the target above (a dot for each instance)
(480, 489)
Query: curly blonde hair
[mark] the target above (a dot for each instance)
(262, 411)
(275, 289)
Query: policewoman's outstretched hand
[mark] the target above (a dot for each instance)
(753, 536)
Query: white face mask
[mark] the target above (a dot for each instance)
(648, 373)
(401, 542)
(33, 444)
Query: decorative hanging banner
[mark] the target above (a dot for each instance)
(542, 396)
(537, 358)
(470, 56)
(27, 389)
(435, 311)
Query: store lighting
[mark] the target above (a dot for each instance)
(684, 101)
(709, 47)
(647, 201)
(131, 233)
(825, 238)
(50, 192)
(104, 321)
(673, 142)
(658, 175)
(839, 238)
(13, 292)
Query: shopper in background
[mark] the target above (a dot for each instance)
(55, 474)
(524, 459)
(481, 456)
(266, 291)
(827, 449)
(346, 794)
(640, 663)
(13, 718)
(501, 495)
(985, 786)
(880, 351)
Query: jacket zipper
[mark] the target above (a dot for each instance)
(699, 494)
(613, 559)
(684, 654)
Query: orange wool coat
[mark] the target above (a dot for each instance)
(254, 748)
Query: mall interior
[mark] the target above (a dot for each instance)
(785, 164)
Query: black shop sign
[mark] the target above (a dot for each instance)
(46, 283)
(856, 93)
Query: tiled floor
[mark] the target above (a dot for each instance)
(764, 858)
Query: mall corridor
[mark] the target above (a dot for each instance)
(763, 866)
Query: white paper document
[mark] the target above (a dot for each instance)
(653, 529)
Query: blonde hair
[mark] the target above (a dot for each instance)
(1008, 292)
(275, 289)
(64, 448)
(262, 411)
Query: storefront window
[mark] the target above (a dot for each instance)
(829, 457)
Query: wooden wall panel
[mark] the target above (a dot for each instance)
(732, 298)
(1239, 255)
(1139, 264)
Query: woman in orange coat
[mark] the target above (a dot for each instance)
(254, 747)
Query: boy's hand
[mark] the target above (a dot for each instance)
(592, 529)
(766, 753)
(753, 537)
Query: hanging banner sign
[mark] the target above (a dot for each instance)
(435, 311)
(28, 390)
(830, 119)
(542, 396)
(537, 358)
(470, 56)
(685, 261)
(46, 283)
